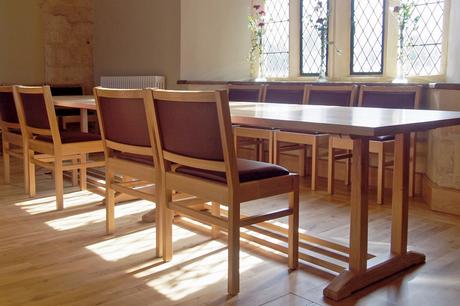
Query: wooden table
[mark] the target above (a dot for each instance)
(360, 124)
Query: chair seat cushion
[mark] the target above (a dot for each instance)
(249, 170)
(72, 137)
(383, 138)
(143, 159)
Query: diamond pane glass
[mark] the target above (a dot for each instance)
(311, 39)
(367, 36)
(423, 52)
(275, 40)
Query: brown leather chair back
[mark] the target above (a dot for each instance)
(331, 95)
(194, 129)
(406, 97)
(123, 120)
(7, 108)
(245, 93)
(190, 129)
(289, 94)
(36, 113)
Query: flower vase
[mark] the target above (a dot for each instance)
(260, 74)
(400, 73)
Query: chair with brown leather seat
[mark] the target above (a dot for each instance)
(405, 97)
(129, 148)
(41, 134)
(193, 131)
(11, 134)
(246, 136)
(333, 95)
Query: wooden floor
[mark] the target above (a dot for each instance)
(64, 258)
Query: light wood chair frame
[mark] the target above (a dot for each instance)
(54, 155)
(381, 148)
(140, 174)
(232, 194)
(245, 136)
(302, 140)
(8, 139)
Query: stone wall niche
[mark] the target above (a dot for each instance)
(69, 36)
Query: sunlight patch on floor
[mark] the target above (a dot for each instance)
(130, 244)
(194, 269)
(47, 204)
(98, 216)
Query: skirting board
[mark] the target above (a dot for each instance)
(442, 199)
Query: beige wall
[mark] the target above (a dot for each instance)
(137, 37)
(214, 40)
(21, 51)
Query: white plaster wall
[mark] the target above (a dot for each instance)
(453, 59)
(214, 40)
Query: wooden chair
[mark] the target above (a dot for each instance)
(129, 147)
(193, 131)
(41, 134)
(11, 134)
(407, 97)
(314, 95)
(245, 136)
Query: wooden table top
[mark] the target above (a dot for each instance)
(357, 121)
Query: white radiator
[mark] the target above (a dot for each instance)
(133, 82)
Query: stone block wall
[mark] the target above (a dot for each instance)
(69, 37)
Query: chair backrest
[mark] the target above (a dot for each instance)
(66, 90)
(193, 128)
(8, 114)
(407, 97)
(245, 93)
(289, 94)
(333, 95)
(123, 121)
(36, 112)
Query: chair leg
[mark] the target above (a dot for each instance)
(235, 142)
(234, 248)
(330, 168)
(83, 169)
(215, 211)
(31, 170)
(74, 173)
(302, 156)
(412, 165)
(166, 197)
(109, 203)
(276, 153)
(380, 174)
(271, 141)
(260, 151)
(314, 164)
(25, 161)
(59, 183)
(347, 170)
(6, 160)
(293, 234)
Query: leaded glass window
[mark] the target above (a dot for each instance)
(424, 47)
(275, 40)
(367, 36)
(310, 45)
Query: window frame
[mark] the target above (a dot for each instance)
(352, 40)
(301, 34)
(338, 65)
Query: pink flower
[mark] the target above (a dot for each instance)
(262, 13)
(396, 9)
(257, 6)
(261, 24)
